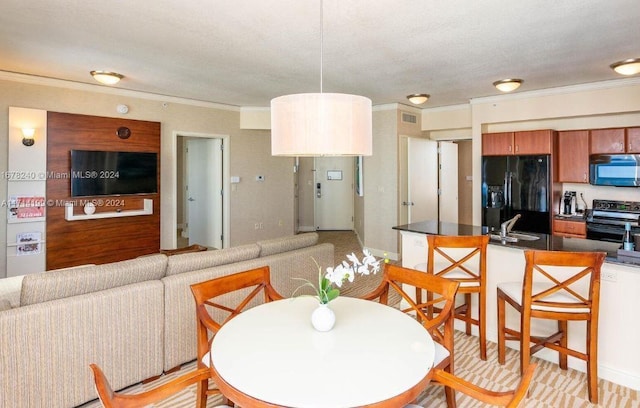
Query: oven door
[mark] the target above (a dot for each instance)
(605, 232)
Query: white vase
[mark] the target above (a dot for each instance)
(323, 318)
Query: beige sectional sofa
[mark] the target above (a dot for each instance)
(135, 318)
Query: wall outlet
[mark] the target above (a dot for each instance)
(257, 225)
(609, 276)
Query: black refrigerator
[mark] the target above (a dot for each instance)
(517, 185)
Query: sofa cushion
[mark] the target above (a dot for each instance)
(200, 260)
(42, 287)
(290, 243)
(10, 290)
(49, 346)
(5, 305)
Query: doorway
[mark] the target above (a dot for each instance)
(428, 180)
(333, 188)
(200, 199)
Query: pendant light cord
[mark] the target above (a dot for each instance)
(321, 42)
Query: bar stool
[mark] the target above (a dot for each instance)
(464, 260)
(561, 286)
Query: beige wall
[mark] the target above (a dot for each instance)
(306, 194)
(465, 185)
(249, 152)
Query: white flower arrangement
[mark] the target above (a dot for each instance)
(325, 292)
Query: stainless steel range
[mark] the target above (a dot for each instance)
(607, 219)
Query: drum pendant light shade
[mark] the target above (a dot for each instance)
(321, 124)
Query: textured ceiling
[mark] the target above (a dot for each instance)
(246, 52)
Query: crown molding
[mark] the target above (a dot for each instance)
(592, 86)
(81, 86)
(448, 108)
(385, 107)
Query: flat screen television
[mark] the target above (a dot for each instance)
(96, 173)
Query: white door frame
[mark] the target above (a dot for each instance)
(226, 184)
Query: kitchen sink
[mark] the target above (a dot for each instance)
(523, 237)
(508, 238)
(514, 237)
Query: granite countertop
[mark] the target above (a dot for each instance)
(546, 242)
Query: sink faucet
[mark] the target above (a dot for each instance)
(505, 227)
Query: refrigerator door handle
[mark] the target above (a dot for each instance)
(508, 189)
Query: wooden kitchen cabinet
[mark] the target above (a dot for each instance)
(633, 140)
(573, 156)
(497, 144)
(533, 142)
(566, 228)
(517, 143)
(607, 141)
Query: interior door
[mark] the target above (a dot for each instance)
(333, 203)
(448, 182)
(422, 179)
(204, 191)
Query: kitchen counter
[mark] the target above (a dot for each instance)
(618, 357)
(546, 242)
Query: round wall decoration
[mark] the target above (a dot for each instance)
(123, 132)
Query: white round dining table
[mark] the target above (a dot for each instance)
(272, 353)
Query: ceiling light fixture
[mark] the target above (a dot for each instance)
(106, 77)
(418, 99)
(508, 85)
(321, 124)
(629, 66)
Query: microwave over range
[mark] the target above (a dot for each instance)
(620, 170)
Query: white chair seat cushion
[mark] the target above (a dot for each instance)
(454, 275)
(440, 354)
(514, 291)
(205, 360)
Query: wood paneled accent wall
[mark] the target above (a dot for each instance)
(97, 241)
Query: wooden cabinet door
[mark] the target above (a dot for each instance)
(633, 140)
(497, 144)
(533, 142)
(605, 141)
(573, 156)
(564, 228)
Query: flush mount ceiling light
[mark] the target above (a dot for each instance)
(106, 77)
(629, 66)
(321, 124)
(508, 85)
(418, 99)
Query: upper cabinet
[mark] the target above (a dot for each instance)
(517, 143)
(633, 140)
(573, 156)
(497, 144)
(607, 141)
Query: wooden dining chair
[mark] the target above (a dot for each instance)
(219, 300)
(464, 260)
(509, 399)
(560, 286)
(111, 399)
(411, 285)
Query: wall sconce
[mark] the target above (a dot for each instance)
(27, 136)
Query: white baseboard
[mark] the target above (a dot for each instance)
(306, 228)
